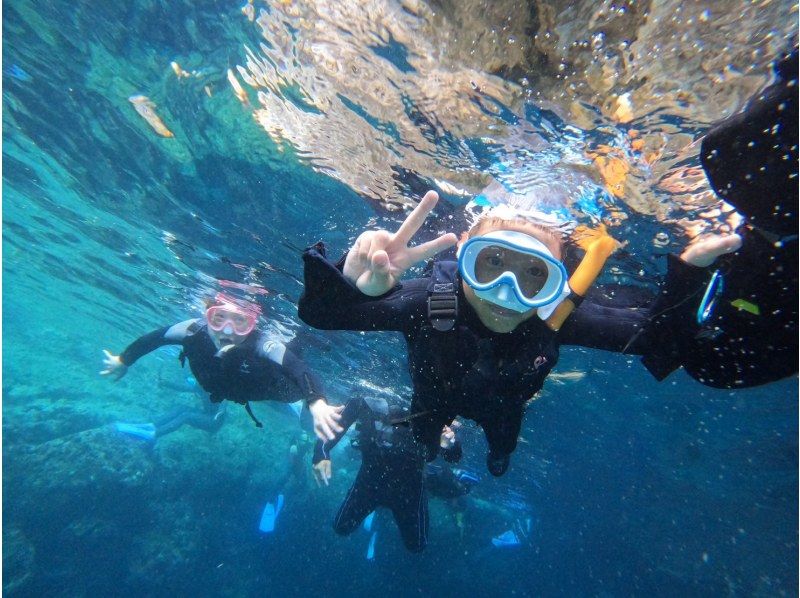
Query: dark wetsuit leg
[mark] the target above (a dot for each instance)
(175, 419)
(427, 431)
(751, 158)
(170, 422)
(408, 500)
(361, 500)
(395, 482)
(502, 430)
(750, 337)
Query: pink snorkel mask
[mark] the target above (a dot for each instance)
(230, 316)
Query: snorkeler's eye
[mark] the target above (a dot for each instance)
(536, 272)
(495, 260)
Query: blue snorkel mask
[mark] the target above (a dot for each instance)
(502, 286)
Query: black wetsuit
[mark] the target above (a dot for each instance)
(392, 472)
(751, 337)
(442, 482)
(296, 465)
(259, 369)
(468, 370)
(750, 159)
(209, 419)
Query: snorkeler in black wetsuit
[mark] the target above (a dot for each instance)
(749, 335)
(232, 360)
(392, 472)
(479, 349)
(447, 483)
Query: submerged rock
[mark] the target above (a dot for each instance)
(70, 470)
(169, 548)
(18, 560)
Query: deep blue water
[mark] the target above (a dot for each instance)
(110, 230)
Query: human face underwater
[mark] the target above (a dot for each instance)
(229, 323)
(510, 275)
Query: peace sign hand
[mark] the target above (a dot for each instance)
(379, 258)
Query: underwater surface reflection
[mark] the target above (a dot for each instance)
(152, 150)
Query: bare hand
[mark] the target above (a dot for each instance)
(448, 438)
(114, 365)
(379, 258)
(322, 472)
(326, 419)
(704, 250)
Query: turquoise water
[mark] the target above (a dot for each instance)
(111, 230)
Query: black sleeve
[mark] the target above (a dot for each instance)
(605, 327)
(650, 331)
(751, 158)
(454, 453)
(146, 344)
(297, 370)
(352, 411)
(673, 316)
(331, 302)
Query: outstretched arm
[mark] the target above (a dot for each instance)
(673, 315)
(633, 330)
(117, 365)
(331, 302)
(596, 326)
(325, 416)
(363, 291)
(379, 258)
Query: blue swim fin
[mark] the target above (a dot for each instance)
(270, 514)
(143, 431)
(267, 524)
(467, 477)
(367, 525)
(508, 538)
(371, 547)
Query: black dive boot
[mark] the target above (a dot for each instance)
(497, 464)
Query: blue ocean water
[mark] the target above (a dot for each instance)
(111, 229)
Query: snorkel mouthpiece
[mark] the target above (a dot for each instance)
(503, 296)
(224, 348)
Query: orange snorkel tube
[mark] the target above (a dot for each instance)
(599, 245)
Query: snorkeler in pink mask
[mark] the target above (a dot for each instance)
(232, 360)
